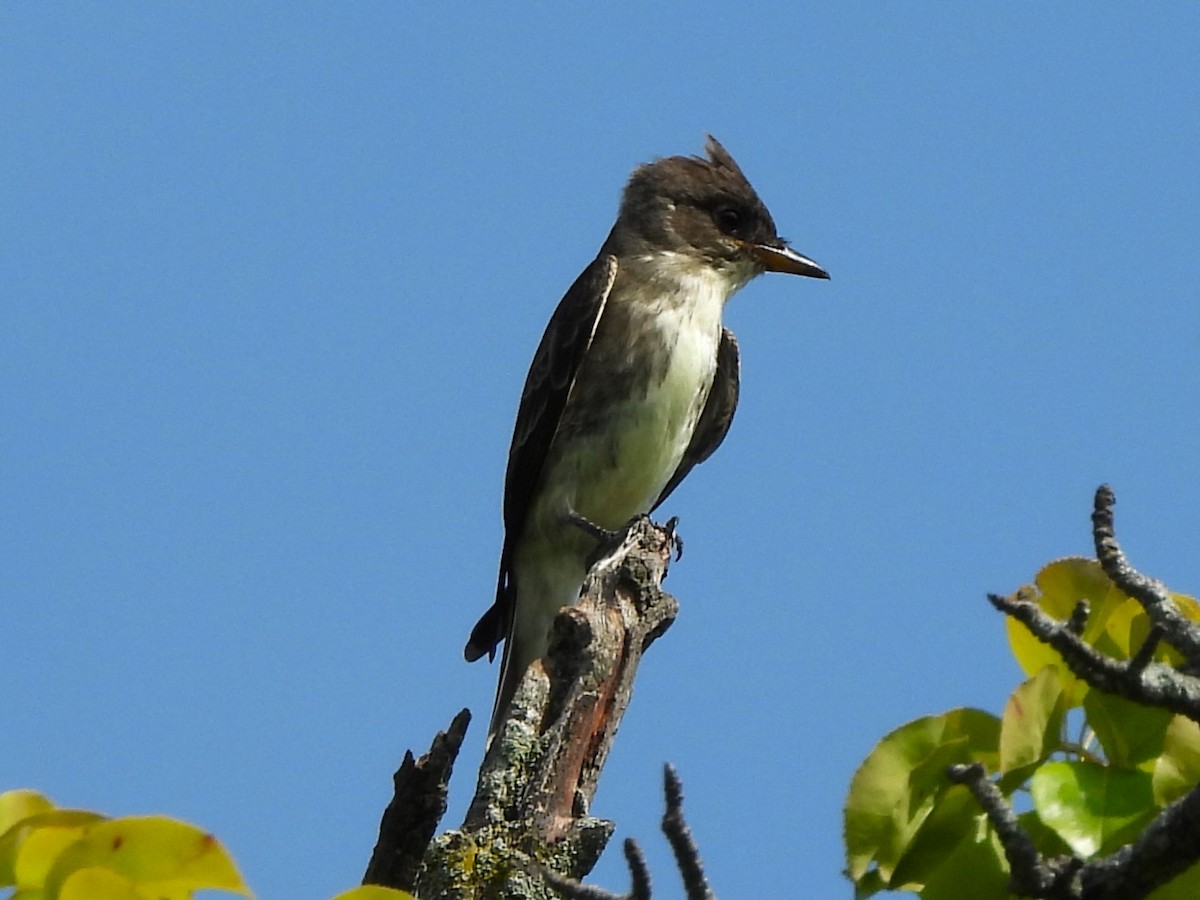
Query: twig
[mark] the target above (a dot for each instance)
(687, 854)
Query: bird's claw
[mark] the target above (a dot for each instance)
(604, 536)
(610, 537)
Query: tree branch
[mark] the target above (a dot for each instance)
(538, 778)
(1137, 679)
(417, 806)
(1178, 630)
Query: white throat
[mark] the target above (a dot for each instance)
(694, 288)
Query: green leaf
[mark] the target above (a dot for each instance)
(1031, 727)
(1177, 770)
(955, 817)
(1046, 839)
(1129, 732)
(1094, 808)
(869, 885)
(975, 868)
(900, 782)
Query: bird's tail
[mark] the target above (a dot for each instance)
(543, 587)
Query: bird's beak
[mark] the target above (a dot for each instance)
(782, 258)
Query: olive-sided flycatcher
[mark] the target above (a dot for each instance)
(635, 382)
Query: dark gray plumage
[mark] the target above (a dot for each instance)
(634, 383)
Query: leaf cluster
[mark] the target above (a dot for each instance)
(1079, 771)
(49, 853)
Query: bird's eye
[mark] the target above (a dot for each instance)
(728, 219)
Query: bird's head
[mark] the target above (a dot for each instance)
(705, 210)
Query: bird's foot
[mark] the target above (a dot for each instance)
(608, 539)
(604, 536)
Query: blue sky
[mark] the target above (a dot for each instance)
(271, 277)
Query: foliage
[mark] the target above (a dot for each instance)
(47, 853)
(908, 828)
(71, 854)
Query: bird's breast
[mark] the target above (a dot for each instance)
(638, 401)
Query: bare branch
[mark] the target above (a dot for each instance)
(417, 806)
(687, 854)
(1177, 629)
(638, 870)
(1140, 680)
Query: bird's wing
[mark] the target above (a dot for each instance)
(547, 386)
(717, 415)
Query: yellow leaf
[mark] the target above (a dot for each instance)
(1191, 610)
(98, 883)
(29, 871)
(1066, 581)
(18, 805)
(15, 806)
(40, 850)
(1116, 623)
(1059, 587)
(160, 856)
(373, 892)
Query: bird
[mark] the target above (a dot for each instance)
(634, 383)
